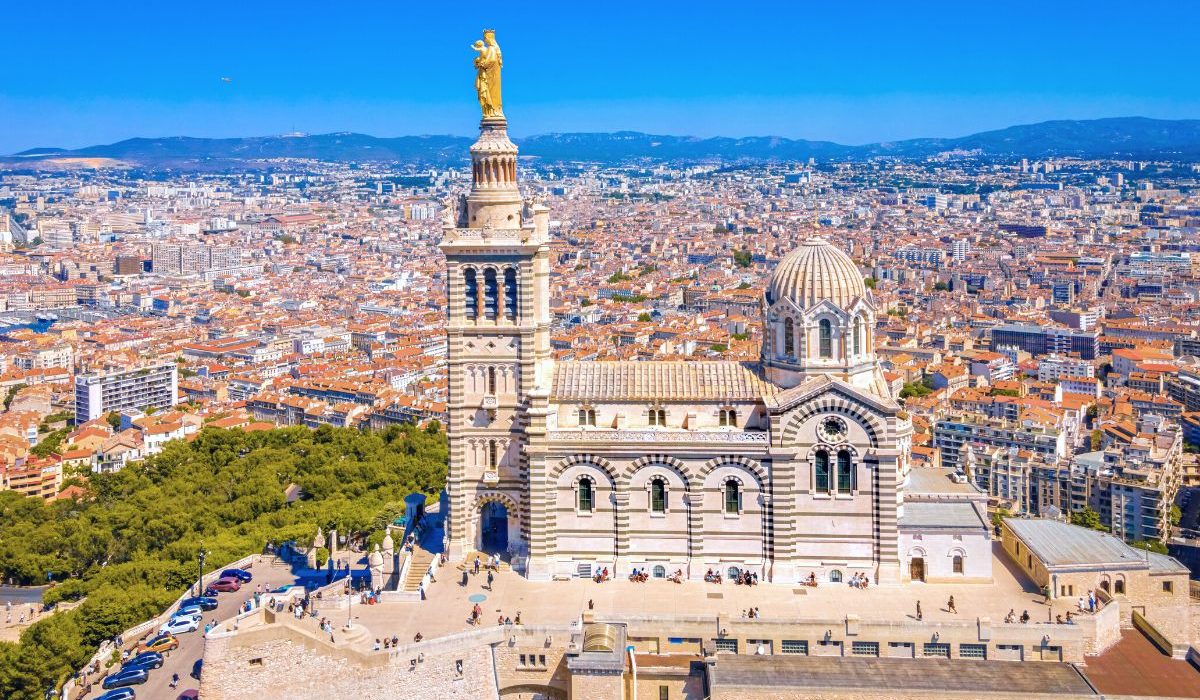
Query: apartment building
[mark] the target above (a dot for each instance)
(1057, 367)
(1045, 340)
(133, 389)
(952, 433)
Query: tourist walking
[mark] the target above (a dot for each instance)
(950, 606)
(919, 616)
(490, 578)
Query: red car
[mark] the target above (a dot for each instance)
(225, 585)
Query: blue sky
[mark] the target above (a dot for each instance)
(79, 73)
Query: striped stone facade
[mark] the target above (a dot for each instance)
(783, 468)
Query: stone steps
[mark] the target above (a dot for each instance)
(417, 568)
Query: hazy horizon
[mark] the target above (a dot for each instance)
(873, 72)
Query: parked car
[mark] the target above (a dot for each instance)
(146, 661)
(193, 615)
(189, 694)
(189, 610)
(197, 668)
(224, 585)
(160, 643)
(120, 679)
(118, 694)
(240, 574)
(179, 625)
(203, 602)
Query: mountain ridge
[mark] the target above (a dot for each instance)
(1112, 137)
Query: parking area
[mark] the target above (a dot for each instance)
(191, 644)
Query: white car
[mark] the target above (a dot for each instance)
(177, 625)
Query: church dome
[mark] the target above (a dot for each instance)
(815, 271)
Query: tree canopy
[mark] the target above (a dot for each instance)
(130, 547)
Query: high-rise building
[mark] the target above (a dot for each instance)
(192, 259)
(1044, 340)
(137, 388)
(960, 249)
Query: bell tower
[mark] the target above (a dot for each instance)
(498, 348)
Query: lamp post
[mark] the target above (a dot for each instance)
(200, 581)
(349, 605)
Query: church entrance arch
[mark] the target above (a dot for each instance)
(493, 528)
(917, 569)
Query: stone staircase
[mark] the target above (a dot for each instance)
(421, 560)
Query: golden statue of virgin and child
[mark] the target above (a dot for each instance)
(487, 74)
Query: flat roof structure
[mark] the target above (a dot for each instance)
(1059, 544)
(894, 677)
(934, 514)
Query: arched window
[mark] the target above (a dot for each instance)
(491, 294)
(658, 417)
(586, 500)
(958, 564)
(733, 497)
(733, 572)
(825, 338)
(660, 571)
(789, 337)
(491, 381)
(858, 335)
(493, 454)
(658, 496)
(510, 293)
(728, 417)
(1119, 586)
(835, 576)
(822, 471)
(845, 472)
(471, 294)
(587, 416)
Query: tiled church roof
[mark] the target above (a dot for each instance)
(664, 381)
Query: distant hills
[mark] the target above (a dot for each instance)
(1121, 137)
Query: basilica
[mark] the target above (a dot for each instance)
(790, 468)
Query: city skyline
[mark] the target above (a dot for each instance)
(877, 73)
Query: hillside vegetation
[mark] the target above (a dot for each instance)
(131, 547)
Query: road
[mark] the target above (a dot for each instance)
(191, 644)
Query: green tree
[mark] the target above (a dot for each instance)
(12, 394)
(1097, 439)
(917, 389)
(1176, 515)
(719, 347)
(644, 317)
(1086, 517)
(1151, 546)
(941, 287)
(870, 282)
(113, 419)
(742, 258)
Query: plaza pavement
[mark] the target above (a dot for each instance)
(448, 604)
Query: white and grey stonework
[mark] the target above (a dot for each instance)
(787, 466)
